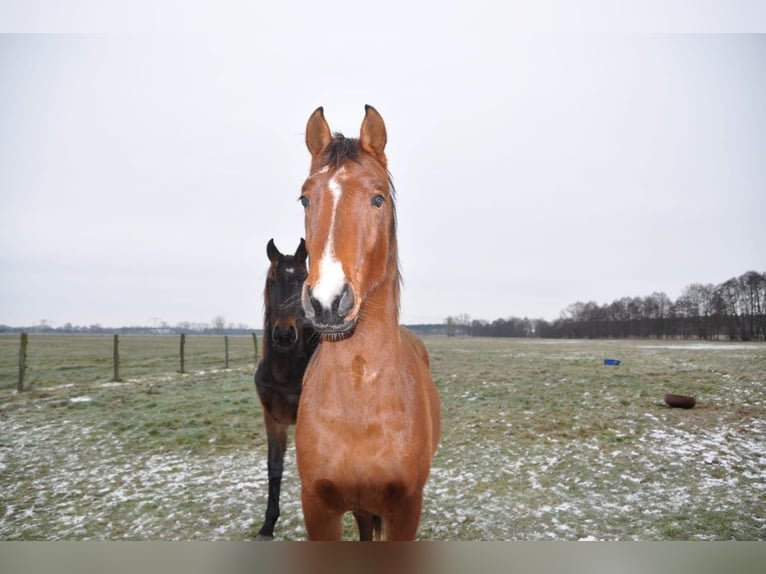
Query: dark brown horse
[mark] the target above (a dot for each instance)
(288, 343)
(368, 420)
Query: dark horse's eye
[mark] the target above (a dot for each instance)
(378, 200)
(304, 200)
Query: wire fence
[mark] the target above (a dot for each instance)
(36, 361)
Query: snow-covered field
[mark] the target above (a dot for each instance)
(538, 444)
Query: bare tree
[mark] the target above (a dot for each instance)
(464, 323)
(751, 294)
(219, 323)
(700, 308)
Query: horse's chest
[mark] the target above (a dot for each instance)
(280, 392)
(281, 405)
(346, 381)
(360, 404)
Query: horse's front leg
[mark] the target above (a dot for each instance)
(277, 438)
(401, 522)
(323, 521)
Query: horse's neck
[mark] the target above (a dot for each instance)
(286, 369)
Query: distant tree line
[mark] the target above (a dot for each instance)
(217, 326)
(733, 310)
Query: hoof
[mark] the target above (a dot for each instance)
(264, 537)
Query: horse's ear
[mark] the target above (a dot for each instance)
(272, 251)
(300, 253)
(318, 134)
(373, 134)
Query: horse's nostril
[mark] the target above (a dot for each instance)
(345, 302)
(315, 305)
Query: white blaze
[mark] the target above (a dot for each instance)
(331, 279)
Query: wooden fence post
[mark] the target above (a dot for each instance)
(22, 362)
(226, 351)
(183, 344)
(116, 358)
(255, 344)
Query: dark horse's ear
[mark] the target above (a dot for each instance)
(272, 251)
(300, 253)
(318, 135)
(373, 134)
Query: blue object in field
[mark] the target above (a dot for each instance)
(611, 361)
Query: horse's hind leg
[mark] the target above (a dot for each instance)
(368, 524)
(277, 438)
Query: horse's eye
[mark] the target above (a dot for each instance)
(378, 200)
(304, 200)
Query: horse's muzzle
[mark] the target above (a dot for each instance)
(284, 337)
(332, 319)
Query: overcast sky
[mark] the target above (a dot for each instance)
(143, 169)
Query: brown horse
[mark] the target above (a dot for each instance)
(368, 421)
(288, 343)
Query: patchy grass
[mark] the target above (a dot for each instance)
(540, 441)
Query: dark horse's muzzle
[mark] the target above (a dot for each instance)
(284, 336)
